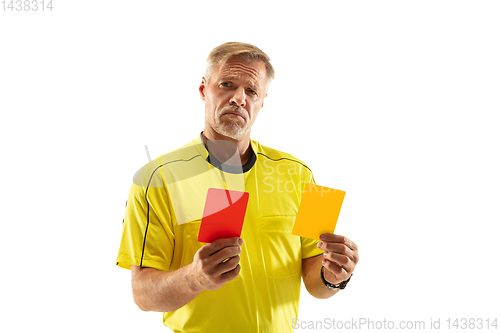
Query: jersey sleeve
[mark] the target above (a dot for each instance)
(147, 238)
(310, 246)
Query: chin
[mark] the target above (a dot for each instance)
(233, 132)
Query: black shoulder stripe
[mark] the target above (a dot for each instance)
(285, 158)
(146, 197)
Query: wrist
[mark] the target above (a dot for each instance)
(192, 280)
(330, 285)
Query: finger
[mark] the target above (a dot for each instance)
(227, 266)
(341, 260)
(337, 248)
(341, 249)
(336, 276)
(231, 274)
(226, 253)
(332, 267)
(333, 238)
(209, 249)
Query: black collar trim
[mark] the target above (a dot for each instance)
(230, 168)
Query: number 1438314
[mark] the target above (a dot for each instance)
(26, 5)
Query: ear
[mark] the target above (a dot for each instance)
(263, 102)
(203, 86)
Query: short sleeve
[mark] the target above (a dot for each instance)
(147, 238)
(309, 247)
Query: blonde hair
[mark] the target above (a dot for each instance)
(248, 52)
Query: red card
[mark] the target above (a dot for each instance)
(223, 214)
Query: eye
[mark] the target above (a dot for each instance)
(225, 84)
(252, 92)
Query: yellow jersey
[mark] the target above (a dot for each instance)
(162, 221)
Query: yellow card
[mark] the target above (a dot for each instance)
(318, 211)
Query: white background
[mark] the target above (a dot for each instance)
(395, 102)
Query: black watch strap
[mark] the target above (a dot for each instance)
(329, 285)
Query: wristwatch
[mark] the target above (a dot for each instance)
(329, 285)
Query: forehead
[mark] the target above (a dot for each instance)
(254, 70)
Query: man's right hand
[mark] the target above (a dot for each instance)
(208, 269)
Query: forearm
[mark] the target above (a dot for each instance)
(161, 291)
(313, 283)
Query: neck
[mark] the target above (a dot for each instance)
(224, 152)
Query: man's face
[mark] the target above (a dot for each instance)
(233, 96)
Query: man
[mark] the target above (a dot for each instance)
(249, 284)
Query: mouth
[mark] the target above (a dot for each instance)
(233, 114)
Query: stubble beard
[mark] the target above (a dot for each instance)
(230, 128)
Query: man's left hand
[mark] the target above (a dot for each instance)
(340, 257)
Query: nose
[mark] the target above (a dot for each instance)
(238, 97)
